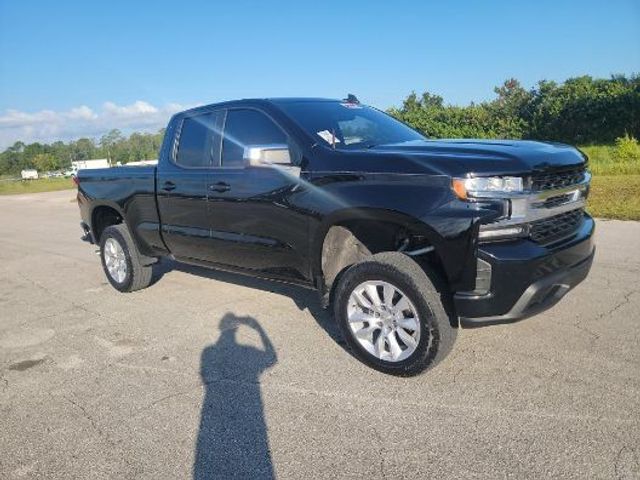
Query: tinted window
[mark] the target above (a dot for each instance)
(196, 142)
(244, 128)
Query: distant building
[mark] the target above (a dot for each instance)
(89, 164)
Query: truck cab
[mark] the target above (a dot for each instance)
(404, 237)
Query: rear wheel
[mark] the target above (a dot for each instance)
(392, 316)
(121, 261)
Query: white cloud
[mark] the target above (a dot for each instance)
(135, 110)
(48, 126)
(83, 112)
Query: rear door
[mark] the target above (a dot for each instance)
(182, 185)
(252, 221)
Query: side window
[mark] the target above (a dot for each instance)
(197, 141)
(247, 127)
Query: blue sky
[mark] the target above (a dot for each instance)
(129, 64)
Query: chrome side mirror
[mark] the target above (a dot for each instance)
(267, 155)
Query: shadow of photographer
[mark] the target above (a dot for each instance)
(232, 438)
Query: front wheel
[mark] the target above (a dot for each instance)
(392, 316)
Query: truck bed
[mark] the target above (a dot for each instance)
(129, 190)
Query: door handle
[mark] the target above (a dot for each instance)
(220, 187)
(168, 186)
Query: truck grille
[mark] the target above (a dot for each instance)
(556, 227)
(558, 200)
(559, 178)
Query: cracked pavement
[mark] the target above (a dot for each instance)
(207, 373)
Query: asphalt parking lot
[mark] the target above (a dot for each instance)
(211, 373)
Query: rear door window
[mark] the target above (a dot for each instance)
(199, 141)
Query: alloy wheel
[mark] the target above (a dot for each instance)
(383, 320)
(115, 260)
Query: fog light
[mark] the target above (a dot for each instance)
(483, 277)
(501, 233)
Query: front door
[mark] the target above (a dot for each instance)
(252, 222)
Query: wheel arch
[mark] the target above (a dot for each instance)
(103, 215)
(350, 235)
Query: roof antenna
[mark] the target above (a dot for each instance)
(351, 98)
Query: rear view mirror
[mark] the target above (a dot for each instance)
(267, 155)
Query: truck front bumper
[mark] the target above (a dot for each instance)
(527, 278)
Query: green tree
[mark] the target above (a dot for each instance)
(509, 112)
(581, 110)
(44, 162)
(83, 149)
(109, 142)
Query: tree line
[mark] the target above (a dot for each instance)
(581, 110)
(58, 155)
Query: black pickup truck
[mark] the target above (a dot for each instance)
(406, 238)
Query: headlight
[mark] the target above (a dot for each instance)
(466, 188)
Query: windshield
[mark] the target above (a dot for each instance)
(348, 125)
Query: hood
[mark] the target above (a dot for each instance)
(462, 157)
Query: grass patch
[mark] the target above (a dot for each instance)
(606, 160)
(614, 196)
(11, 187)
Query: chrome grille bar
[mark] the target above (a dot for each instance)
(534, 206)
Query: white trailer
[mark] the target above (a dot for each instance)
(29, 174)
(141, 163)
(89, 164)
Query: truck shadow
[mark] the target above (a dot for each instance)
(232, 438)
(304, 299)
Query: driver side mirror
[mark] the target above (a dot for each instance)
(267, 155)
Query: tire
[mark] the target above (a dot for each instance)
(136, 275)
(432, 335)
